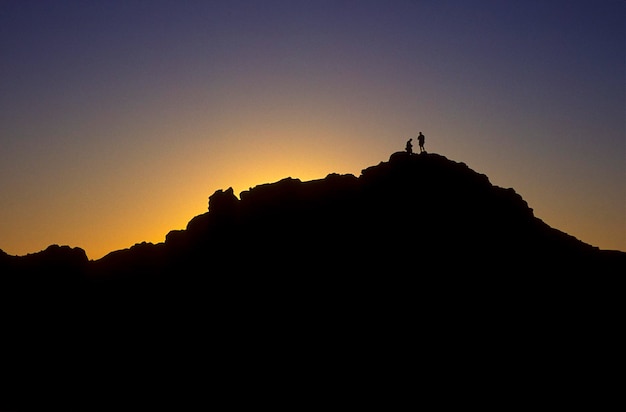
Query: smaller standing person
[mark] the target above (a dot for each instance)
(421, 139)
(409, 146)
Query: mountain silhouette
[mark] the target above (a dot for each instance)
(413, 212)
(343, 274)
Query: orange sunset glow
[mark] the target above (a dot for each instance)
(119, 119)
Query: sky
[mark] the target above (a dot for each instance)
(119, 118)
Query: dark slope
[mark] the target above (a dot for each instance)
(419, 265)
(419, 212)
(413, 213)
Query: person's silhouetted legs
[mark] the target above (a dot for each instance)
(421, 139)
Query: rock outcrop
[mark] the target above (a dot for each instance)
(412, 213)
(419, 263)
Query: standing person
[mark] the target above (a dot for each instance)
(409, 146)
(420, 139)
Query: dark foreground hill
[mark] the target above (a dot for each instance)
(421, 212)
(418, 264)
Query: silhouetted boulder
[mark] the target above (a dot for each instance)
(61, 255)
(223, 203)
(176, 239)
(272, 197)
(53, 262)
(127, 265)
